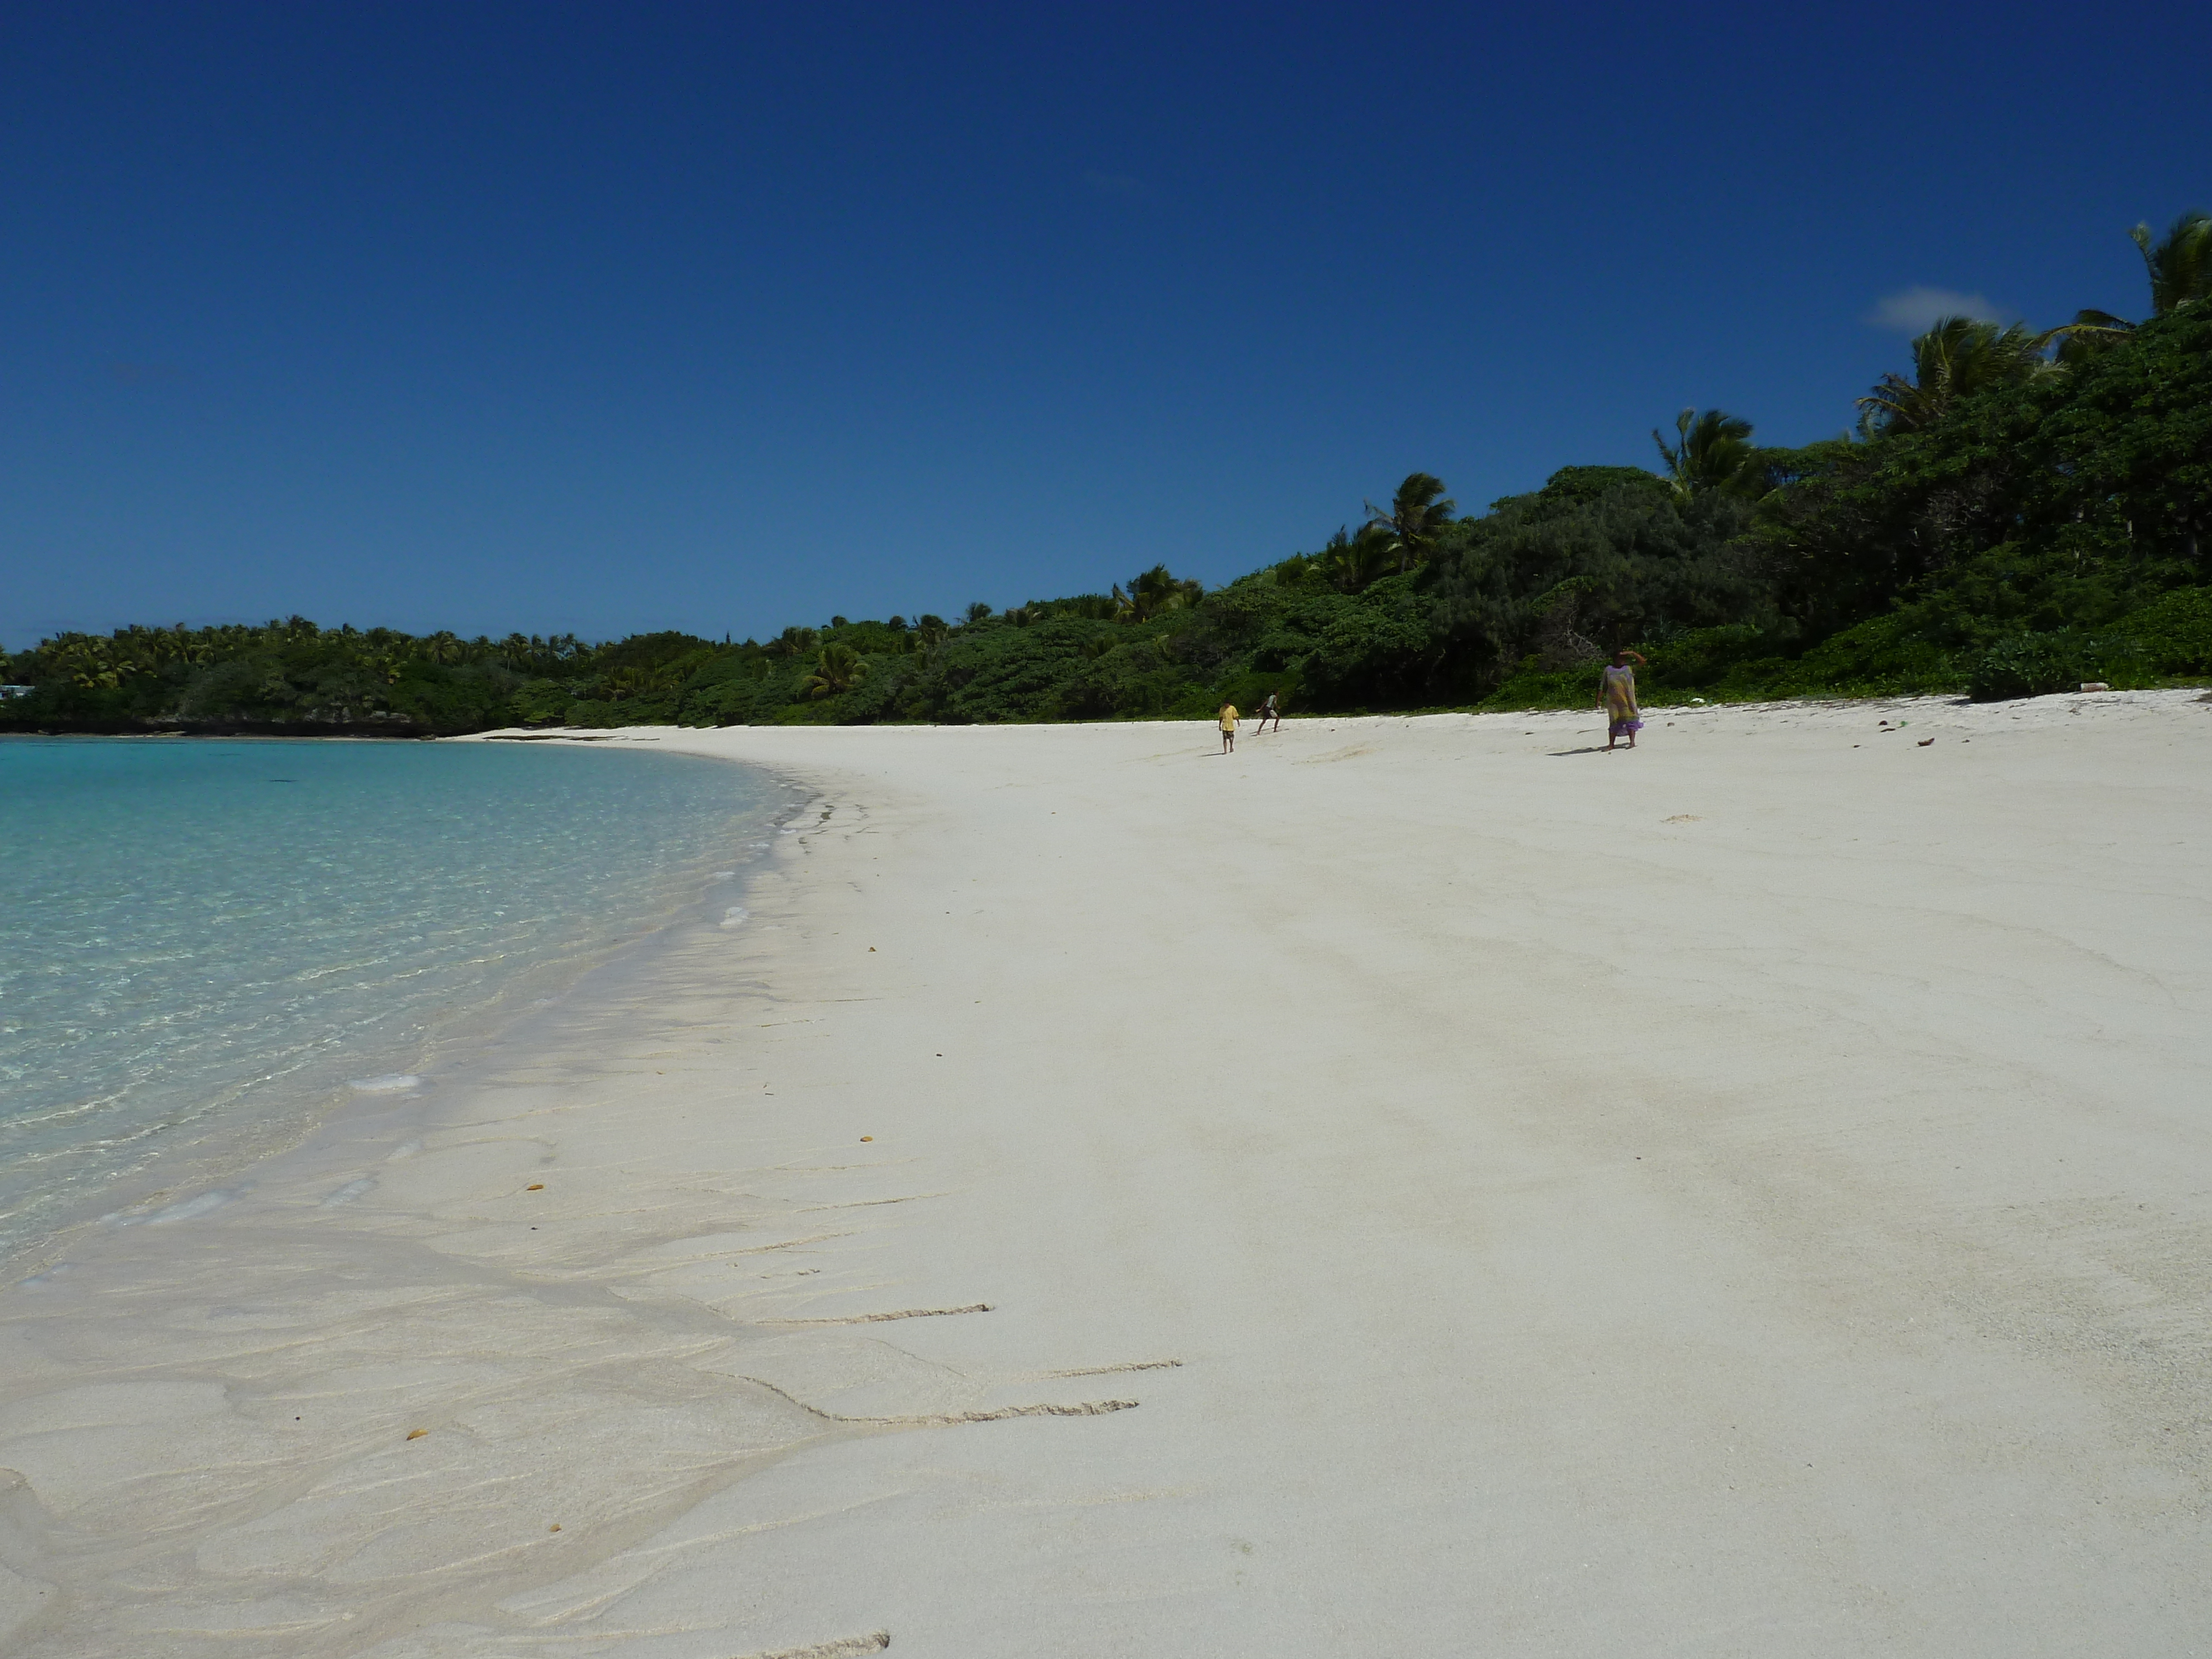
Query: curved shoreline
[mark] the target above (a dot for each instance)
(220, 1138)
(1531, 1199)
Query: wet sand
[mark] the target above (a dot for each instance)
(1415, 1186)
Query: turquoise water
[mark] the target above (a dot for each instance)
(207, 943)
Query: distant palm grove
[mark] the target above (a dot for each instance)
(2024, 511)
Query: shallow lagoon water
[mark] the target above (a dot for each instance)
(207, 941)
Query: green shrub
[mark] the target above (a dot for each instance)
(2174, 635)
(2026, 666)
(2035, 664)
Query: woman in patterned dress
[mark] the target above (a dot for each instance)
(1616, 694)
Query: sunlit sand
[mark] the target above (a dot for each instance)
(1413, 1186)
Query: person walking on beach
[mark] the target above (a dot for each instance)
(1616, 694)
(1228, 728)
(1269, 712)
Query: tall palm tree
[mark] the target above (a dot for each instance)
(837, 669)
(1712, 450)
(1952, 361)
(2179, 263)
(2180, 267)
(1417, 515)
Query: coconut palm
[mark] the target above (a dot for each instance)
(1712, 450)
(2180, 267)
(1353, 560)
(92, 662)
(1418, 513)
(191, 648)
(639, 681)
(837, 669)
(2179, 263)
(1154, 592)
(1952, 361)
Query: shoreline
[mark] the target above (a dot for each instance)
(219, 1145)
(1383, 1189)
(1659, 700)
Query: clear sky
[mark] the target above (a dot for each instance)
(611, 316)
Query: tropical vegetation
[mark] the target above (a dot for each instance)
(2021, 511)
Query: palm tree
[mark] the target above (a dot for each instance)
(837, 669)
(2179, 263)
(1419, 512)
(1354, 561)
(638, 681)
(1952, 361)
(2179, 267)
(1712, 450)
(92, 662)
(1154, 592)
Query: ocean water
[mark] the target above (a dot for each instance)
(204, 944)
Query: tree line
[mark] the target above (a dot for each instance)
(2017, 511)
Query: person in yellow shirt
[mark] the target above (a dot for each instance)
(1228, 728)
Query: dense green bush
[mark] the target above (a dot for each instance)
(2029, 665)
(2046, 527)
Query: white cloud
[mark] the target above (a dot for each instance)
(1915, 310)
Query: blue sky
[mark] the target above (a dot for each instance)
(600, 317)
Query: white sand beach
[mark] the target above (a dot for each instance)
(1413, 1186)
